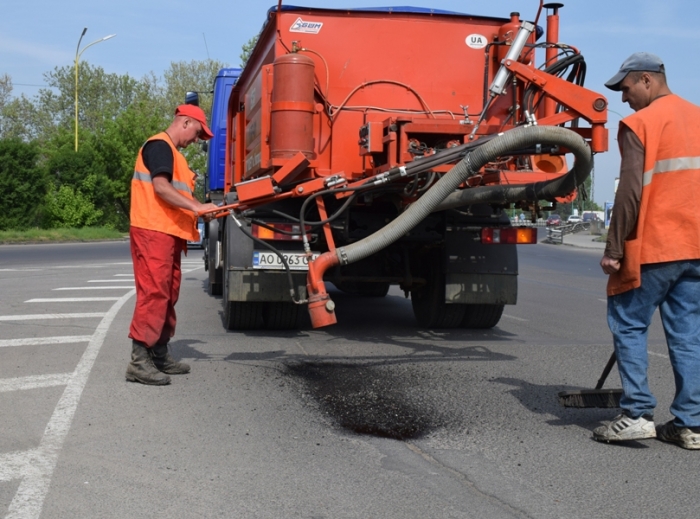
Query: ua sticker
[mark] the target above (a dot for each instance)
(308, 27)
(477, 41)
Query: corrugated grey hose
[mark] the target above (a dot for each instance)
(443, 195)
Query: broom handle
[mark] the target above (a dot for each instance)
(606, 371)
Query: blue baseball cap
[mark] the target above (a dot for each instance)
(639, 61)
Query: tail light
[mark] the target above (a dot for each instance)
(509, 235)
(279, 231)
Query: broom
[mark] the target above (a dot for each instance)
(597, 397)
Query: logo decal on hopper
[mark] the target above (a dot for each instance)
(307, 27)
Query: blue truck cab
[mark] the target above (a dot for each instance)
(216, 160)
(216, 165)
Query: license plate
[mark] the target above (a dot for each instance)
(270, 260)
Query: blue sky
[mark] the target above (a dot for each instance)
(38, 35)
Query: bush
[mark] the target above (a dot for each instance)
(69, 207)
(22, 184)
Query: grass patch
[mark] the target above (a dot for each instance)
(61, 235)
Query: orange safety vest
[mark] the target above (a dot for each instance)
(149, 211)
(668, 225)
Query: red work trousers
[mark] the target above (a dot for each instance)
(156, 258)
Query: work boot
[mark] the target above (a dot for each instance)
(165, 362)
(142, 369)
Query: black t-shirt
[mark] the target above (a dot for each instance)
(158, 158)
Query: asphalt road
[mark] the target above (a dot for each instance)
(373, 417)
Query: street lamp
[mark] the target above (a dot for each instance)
(79, 53)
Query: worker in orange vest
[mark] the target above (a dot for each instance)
(653, 252)
(163, 217)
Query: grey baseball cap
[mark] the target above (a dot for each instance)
(639, 61)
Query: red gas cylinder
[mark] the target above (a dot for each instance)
(293, 108)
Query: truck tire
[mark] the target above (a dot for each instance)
(242, 315)
(212, 251)
(428, 301)
(281, 316)
(237, 315)
(482, 316)
(364, 288)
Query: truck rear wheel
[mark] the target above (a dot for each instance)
(428, 301)
(482, 316)
(237, 315)
(212, 251)
(242, 315)
(280, 316)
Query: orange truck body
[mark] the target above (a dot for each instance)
(340, 96)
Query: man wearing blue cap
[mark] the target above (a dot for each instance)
(652, 260)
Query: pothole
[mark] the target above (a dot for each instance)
(383, 401)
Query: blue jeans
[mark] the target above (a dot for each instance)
(674, 288)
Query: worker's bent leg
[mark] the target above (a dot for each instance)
(680, 314)
(153, 254)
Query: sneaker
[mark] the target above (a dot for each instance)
(624, 428)
(686, 437)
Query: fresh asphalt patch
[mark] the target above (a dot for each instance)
(377, 400)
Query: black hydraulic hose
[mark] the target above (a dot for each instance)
(335, 215)
(443, 196)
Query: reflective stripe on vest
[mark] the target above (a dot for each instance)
(671, 165)
(180, 186)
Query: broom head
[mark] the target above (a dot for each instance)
(591, 398)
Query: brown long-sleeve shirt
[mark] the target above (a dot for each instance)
(629, 193)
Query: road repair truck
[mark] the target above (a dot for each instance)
(383, 146)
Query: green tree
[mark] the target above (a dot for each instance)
(247, 50)
(5, 89)
(22, 184)
(100, 97)
(15, 119)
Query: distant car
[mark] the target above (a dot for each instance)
(573, 219)
(554, 219)
(199, 244)
(589, 217)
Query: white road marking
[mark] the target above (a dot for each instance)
(516, 318)
(32, 317)
(39, 341)
(93, 288)
(70, 299)
(34, 382)
(124, 275)
(603, 300)
(35, 467)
